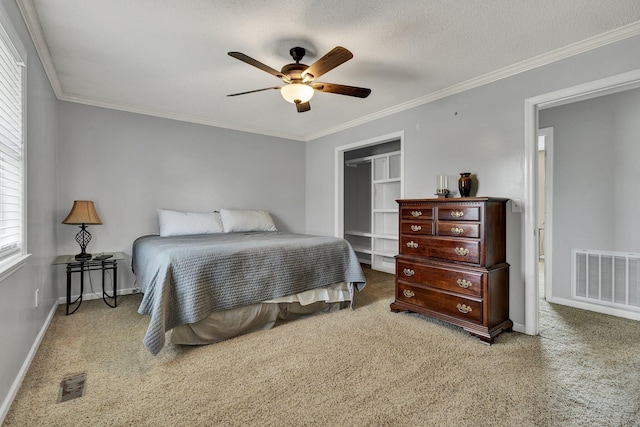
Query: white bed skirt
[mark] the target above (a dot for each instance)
(222, 325)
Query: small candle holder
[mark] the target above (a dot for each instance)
(442, 190)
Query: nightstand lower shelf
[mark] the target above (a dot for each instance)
(79, 266)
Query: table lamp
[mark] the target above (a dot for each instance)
(82, 213)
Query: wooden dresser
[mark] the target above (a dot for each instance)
(452, 263)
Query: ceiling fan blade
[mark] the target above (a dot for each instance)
(360, 92)
(252, 91)
(338, 55)
(303, 106)
(247, 59)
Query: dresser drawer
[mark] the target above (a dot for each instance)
(459, 229)
(455, 250)
(416, 212)
(446, 249)
(452, 305)
(449, 279)
(459, 213)
(417, 227)
(414, 245)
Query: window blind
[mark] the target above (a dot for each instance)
(11, 152)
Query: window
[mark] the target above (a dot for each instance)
(12, 165)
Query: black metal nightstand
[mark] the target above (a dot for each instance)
(80, 266)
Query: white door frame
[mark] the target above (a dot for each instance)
(339, 173)
(548, 207)
(617, 83)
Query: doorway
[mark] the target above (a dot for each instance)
(369, 178)
(618, 83)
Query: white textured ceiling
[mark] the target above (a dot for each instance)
(169, 58)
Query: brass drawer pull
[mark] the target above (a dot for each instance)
(409, 294)
(462, 308)
(462, 251)
(412, 244)
(416, 228)
(457, 230)
(416, 214)
(464, 283)
(457, 214)
(408, 272)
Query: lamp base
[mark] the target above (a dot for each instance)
(83, 256)
(83, 238)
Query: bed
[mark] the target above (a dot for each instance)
(210, 287)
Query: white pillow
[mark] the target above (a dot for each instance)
(246, 220)
(175, 223)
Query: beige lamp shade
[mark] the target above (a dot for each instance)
(82, 212)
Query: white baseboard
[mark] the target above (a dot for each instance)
(518, 327)
(4, 409)
(594, 307)
(95, 295)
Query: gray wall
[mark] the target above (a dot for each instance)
(595, 153)
(357, 197)
(479, 131)
(21, 320)
(131, 164)
(627, 172)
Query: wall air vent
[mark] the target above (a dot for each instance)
(606, 278)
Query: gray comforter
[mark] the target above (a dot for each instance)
(185, 278)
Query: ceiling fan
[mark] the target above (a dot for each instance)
(299, 79)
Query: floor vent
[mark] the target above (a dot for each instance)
(606, 278)
(72, 387)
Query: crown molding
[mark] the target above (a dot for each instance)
(35, 30)
(573, 49)
(32, 21)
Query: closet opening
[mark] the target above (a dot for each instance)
(370, 181)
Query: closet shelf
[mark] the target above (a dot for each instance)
(361, 249)
(386, 236)
(386, 181)
(389, 254)
(358, 233)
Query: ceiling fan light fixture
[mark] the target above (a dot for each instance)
(297, 92)
(300, 80)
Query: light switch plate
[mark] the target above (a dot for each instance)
(516, 205)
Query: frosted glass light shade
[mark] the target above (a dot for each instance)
(297, 92)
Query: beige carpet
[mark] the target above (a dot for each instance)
(368, 367)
